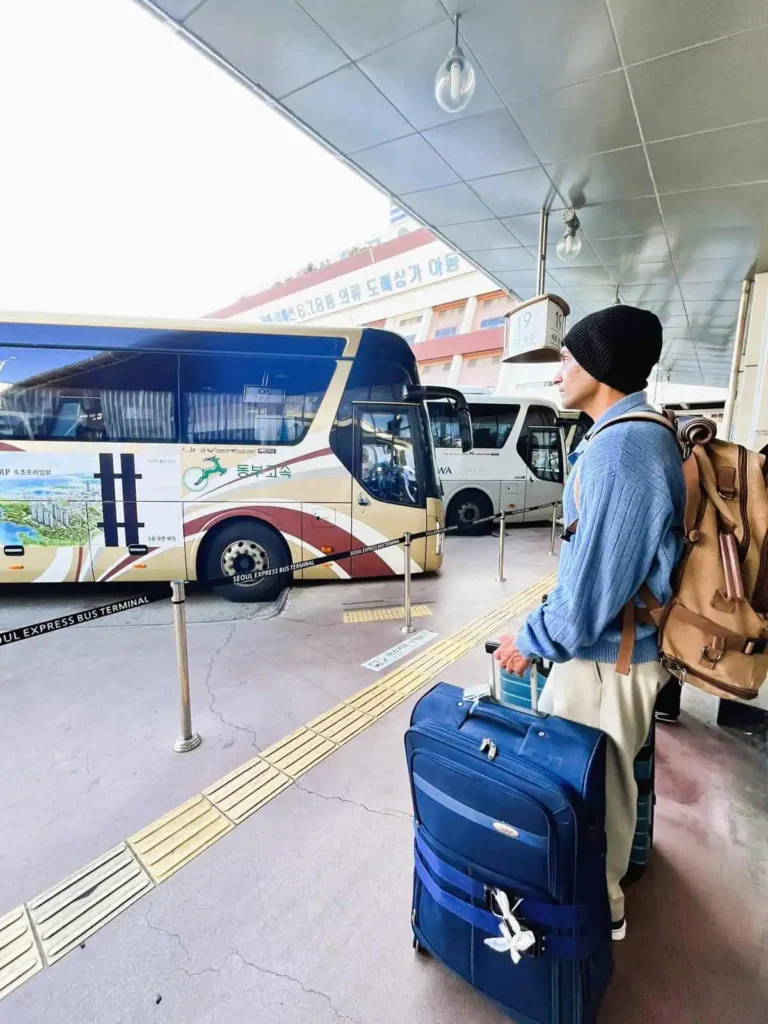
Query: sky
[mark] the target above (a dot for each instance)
(137, 177)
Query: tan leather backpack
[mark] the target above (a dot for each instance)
(714, 631)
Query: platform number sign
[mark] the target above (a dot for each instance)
(534, 331)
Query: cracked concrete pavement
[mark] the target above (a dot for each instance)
(355, 803)
(258, 967)
(208, 686)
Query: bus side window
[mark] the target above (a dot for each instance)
(492, 424)
(251, 399)
(82, 395)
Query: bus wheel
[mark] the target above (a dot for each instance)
(245, 546)
(465, 510)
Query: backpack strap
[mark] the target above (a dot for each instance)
(638, 417)
(627, 645)
(692, 494)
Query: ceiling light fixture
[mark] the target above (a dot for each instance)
(455, 79)
(569, 246)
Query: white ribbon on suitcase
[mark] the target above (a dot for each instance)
(515, 938)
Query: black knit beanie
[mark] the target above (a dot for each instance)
(619, 346)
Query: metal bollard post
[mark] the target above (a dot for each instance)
(501, 578)
(407, 627)
(188, 739)
(554, 530)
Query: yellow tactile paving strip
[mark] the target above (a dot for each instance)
(418, 611)
(20, 955)
(246, 789)
(67, 914)
(48, 927)
(175, 839)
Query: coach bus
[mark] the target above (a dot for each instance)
(138, 451)
(517, 460)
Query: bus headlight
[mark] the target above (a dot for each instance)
(439, 543)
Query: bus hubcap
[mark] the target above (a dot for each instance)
(468, 514)
(244, 556)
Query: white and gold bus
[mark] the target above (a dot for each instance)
(154, 450)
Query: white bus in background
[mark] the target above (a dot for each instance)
(517, 460)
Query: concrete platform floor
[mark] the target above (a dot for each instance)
(302, 913)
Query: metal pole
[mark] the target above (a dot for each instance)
(501, 578)
(188, 739)
(407, 627)
(554, 530)
(738, 350)
(541, 270)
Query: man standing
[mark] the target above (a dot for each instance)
(627, 507)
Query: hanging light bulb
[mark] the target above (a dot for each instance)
(569, 246)
(455, 79)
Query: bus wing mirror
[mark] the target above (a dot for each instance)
(465, 429)
(458, 401)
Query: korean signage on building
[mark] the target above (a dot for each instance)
(428, 264)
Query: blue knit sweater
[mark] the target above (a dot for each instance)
(631, 505)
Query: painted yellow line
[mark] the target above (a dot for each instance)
(46, 928)
(418, 611)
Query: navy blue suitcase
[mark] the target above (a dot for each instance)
(645, 777)
(509, 882)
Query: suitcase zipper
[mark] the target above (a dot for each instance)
(535, 774)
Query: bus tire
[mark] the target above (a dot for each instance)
(466, 508)
(245, 545)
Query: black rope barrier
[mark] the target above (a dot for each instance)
(13, 636)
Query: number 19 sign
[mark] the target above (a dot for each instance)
(534, 330)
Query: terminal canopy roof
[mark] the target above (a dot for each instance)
(650, 118)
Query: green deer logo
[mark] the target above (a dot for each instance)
(215, 470)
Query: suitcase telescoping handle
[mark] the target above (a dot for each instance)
(491, 646)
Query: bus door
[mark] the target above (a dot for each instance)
(388, 488)
(542, 450)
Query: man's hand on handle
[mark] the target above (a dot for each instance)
(510, 658)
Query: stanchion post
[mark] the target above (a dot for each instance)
(407, 627)
(188, 739)
(501, 578)
(554, 530)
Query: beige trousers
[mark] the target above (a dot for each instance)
(593, 693)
